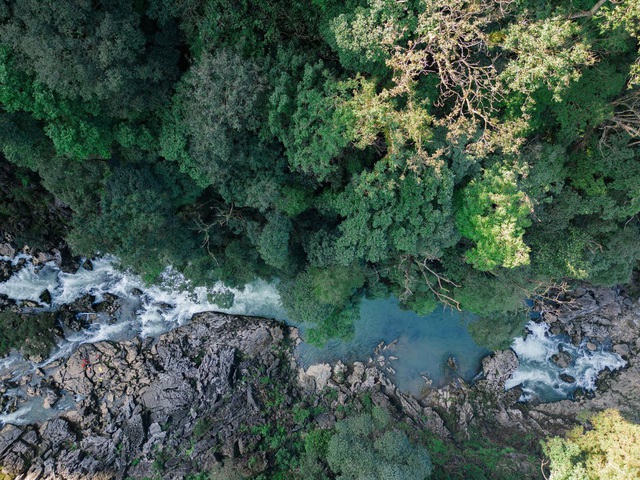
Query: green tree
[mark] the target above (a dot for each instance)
(137, 223)
(273, 242)
(494, 213)
(92, 52)
(547, 55)
(387, 212)
(609, 450)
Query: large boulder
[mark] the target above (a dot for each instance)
(497, 368)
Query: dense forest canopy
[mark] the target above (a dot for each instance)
(466, 152)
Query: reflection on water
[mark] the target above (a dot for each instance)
(424, 344)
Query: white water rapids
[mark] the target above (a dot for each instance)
(541, 378)
(144, 311)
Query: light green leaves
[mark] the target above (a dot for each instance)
(548, 54)
(494, 213)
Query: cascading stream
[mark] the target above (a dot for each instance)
(143, 310)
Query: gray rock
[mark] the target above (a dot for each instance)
(592, 330)
(325, 420)
(319, 373)
(168, 394)
(6, 250)
(45, 297)
(562, 359)
(57, 432)
(8, 435)
(339, 372)
(497, 368)
(357, 374)
(567, 378)
(622, 349)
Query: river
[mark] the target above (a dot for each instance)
(421, 351)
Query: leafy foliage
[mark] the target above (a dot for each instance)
(33, 333)
(366, 446)
(493, 212)
(353, 148)
(609, 450)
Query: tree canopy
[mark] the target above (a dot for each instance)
(428, 149)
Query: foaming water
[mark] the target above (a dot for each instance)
(541, 378)
(143, 311)
(423, 351)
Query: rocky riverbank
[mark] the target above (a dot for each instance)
(207, 391)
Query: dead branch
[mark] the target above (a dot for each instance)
(588, 13)
(452, 44)
(437, 287)
(626, 117)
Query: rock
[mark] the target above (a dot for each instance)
(555, 330)
(339, 372)
(452, 364)
(562, 359)
(357, 374)
(592, 347)
(5, 270)
(8, 435)
(582, 305)
(325, 420)
(294, 335)
(28, 304)
(622, 349)
(45, 297)
(320, 373)
(57, 431)
(40, 258)
(108, 305)
(594, 330)
(5, 301)
(6, 250)
(50, 398)
(567, 378)
(497, 368)
(71, 320)
(87, 264)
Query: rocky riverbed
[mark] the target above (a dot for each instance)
(198, 395)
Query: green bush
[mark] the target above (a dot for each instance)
(608, 451)
(497, 331)
(32, 334)
(367, 446)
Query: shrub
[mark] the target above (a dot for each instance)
(367, 446)
(31, 334)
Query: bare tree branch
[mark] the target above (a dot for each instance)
(589, 13)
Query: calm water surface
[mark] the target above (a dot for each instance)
(424, 344)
